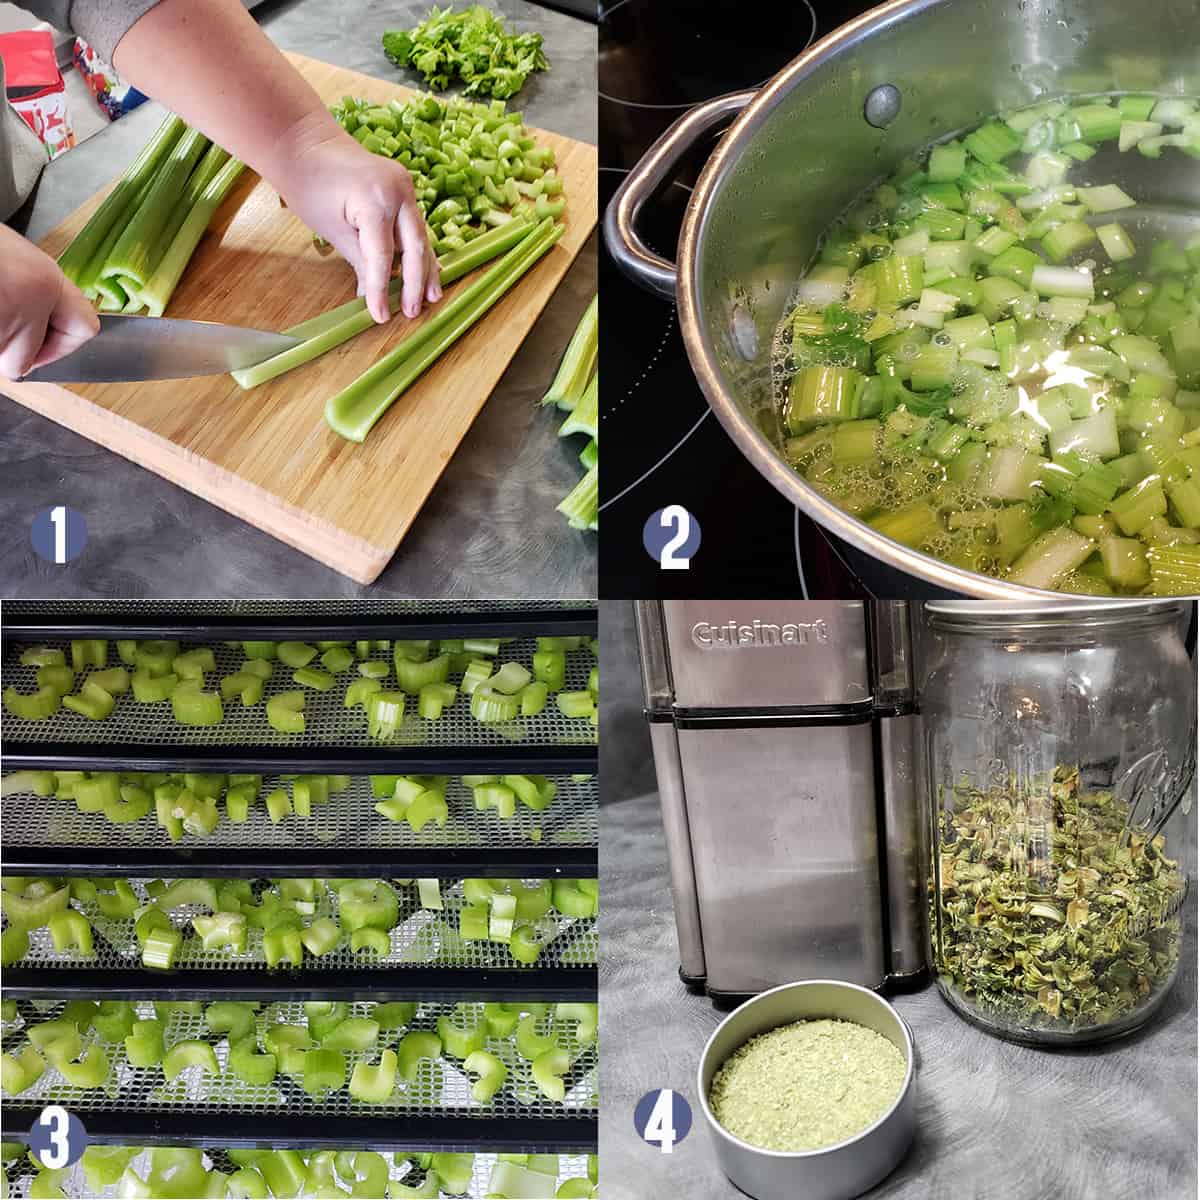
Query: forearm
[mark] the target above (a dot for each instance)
(211, 64)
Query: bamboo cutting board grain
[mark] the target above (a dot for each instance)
(267, 455)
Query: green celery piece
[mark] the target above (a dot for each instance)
(330, 330)
(144, 1044)
(575, 897)
(89, 652)
(89, 1072)
(394, 1014)
(283, 1170)
(585, 416)
(324, 1072)
(234, 1017)
(585, 1016)
(578, 362)
(354, 1033)
(296, 654)
(353, 411)
(491, 1071)
(458, 1040)
(209, 167)
(510, 1179)
(187, 1054)
(137, 251)
(115, 207)
(581, 506)
(412, 1048)
(548, 1069)
(248, 1065)
(482, 249)
(374, 1083)
(285, 712)
(160, 287)
(14, 945)
(430, 805)
(70, 930)
(103, 1165)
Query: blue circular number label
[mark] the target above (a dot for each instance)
(59, 534)
(57, 1138)
(671, 537)
(662, 1119)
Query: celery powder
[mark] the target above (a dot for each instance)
(807, 1085)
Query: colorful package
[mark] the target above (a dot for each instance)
(112, 93)
(35, 87)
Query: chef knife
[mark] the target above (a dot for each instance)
(135, 348)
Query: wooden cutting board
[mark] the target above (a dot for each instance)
(267, 455)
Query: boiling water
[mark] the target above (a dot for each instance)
(1167, 191)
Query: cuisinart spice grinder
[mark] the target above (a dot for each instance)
(785, 745)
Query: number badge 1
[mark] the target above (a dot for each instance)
(59, 534)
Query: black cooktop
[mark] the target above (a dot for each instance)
(662, 444)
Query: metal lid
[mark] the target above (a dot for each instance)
(1078, 615)
(1055, 608)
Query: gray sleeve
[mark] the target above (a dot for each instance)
(101, 23)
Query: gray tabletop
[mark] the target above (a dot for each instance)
(488, 529)
(995, 1121)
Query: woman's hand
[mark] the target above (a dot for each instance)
(365, 207)
(43, 315)
(212, 64)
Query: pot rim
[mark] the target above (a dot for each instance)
(802, 1155)
(702, 355)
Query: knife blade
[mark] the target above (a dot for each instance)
(129, 349)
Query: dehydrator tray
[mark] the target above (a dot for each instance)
(327, 620)
(344, 836)
(427, 957)
(436, 1111)
(335, 738)
(20, 1175)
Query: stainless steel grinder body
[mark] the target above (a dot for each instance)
(785, 749)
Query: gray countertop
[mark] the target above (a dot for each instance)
(488, 529)
(995, 1121)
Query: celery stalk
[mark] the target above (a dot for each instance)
(581, 506)
(578, 362)
(331, 329)
(584, 417)
(160, 287)
(353, 412)
(114, 209)
(134, 253)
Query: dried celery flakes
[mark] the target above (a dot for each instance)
(1051, 909)
(807, 1085)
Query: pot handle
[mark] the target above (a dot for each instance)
(631, 254)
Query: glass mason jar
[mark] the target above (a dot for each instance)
(1060, 746)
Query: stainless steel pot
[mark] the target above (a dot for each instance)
(837, 1172)
(803, 147)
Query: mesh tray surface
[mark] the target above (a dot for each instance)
(345, 822)
(571, 1166)
(328, 723)
(441, 1087)
(422, 937)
